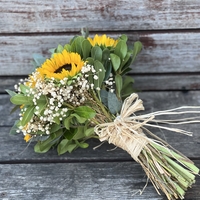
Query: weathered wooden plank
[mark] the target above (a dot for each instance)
(142, 82)
(8, 83)
(163, 52)
(80, 181)
(166, 82)
(14, 149)
(63, 16)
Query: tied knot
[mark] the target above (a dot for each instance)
(125, 131)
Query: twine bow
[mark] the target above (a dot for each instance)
(124, 132)
(127, 130)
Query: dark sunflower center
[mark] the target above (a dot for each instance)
(66, 67)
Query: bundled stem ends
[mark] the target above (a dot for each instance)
(167, 169)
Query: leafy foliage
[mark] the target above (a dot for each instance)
(110, 62)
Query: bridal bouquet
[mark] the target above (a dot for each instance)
(83, 91)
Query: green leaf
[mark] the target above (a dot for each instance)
(108, 70)
(78, 43)
(121, 49)
(126, 60)
(11, 93)
(84, 145)
(126, 71)
(78, 118)
(105, 55)
(119, 83)
(124, 37)
(39, 138)
(96, 53)
(42, 99)
(65, 146)
(115, 61)
(59, 49)
(80, 134)
(127, 80)
(41, 103)
(127, 88)
(136, 49)
(54, 128)
(90, 61)
(20, 99)
(38, 149)
(67, 47)
(104, 97)
(85, 112)
(114, 104)
(56, 120)
(14, 109)
(73, 46)
(67, 122)
(98, 66)
(72, 40)
(89, 132)
(27, 116)
(44, 146)
(69, 134)
(86, 49)
(24, 89)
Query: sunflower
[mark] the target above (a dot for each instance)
(102, 41)
(62, 65)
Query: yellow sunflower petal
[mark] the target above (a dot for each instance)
(103, 40)
(55, 67)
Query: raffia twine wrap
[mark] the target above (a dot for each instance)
(127, 130)
(124, 132)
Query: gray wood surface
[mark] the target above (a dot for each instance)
(66, 16)
(174, 52)
(79, 181)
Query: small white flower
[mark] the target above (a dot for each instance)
(96, 77)
(98, 88)
(36, 112)
(112, 90)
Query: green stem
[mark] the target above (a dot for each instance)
(94, 121)
(68, 105)
(185, 161)
(109, 117)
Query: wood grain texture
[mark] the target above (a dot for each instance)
(146, 82)
(167, 82)
(80, 181)
(15, 150)
(67, 16)
(14, 147)
(173, 52)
